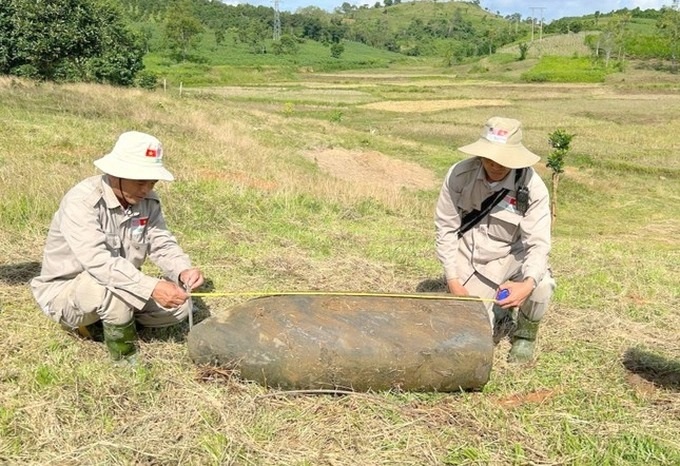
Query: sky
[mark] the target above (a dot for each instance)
(551, 9)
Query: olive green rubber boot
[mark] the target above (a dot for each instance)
(121, 340)
(523, 341)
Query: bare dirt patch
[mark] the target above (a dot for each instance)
(372, 167)
(420, 106)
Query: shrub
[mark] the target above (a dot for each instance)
(147, 79)
(337, 49)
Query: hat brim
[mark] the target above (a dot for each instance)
(130, 171)
(509, 156)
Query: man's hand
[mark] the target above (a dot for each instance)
(191, 278)
(169, 295)
(455, 288)
(519, 292)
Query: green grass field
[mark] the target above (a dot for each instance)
(259, 205)
(234, 62)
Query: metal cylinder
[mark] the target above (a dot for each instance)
(411, 342)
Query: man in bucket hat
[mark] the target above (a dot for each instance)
(105, 228)
(493, 232)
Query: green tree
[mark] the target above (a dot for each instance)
(219, 36)
(50, 37)
(122, 51)
(145, 32)
(253, 33)
(669, 26)
(8, 40)
(560, 141)
(613, 37)
(454, 52)
(182, 29)
(287, 45)
(336, 49)
(523, 50)
(67, 40)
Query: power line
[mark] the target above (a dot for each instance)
(533, 21)
(277, 21)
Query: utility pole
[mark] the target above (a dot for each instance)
(533, 21)
(277, 22)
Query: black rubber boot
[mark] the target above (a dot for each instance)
(523, 341)
(121, 340)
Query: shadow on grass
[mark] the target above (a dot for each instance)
(19, 274)
(433, 285)
(654, 368)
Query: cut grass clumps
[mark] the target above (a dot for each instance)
(296, 186)
(565, 70)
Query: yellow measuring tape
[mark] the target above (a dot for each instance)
(339, 293)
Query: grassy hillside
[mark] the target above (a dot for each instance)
(260, 205)
(398, 17)
(566, 45)
(234, 62)
(371, 37)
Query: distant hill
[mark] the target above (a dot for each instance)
(198, 42)
(413, 28)
(431, 28)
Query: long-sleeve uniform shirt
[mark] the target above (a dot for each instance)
(504, 240)
(91, 232)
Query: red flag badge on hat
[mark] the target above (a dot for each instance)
(155, 151)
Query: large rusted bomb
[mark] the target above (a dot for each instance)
(411, 342)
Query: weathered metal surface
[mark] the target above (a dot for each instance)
(351, 342)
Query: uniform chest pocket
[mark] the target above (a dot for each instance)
(137, 252)
(504, 226)
(113, 244)
(139, 246)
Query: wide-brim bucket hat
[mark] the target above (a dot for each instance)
(136, 156)
(501, 141)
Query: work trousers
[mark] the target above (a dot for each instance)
(84, 302)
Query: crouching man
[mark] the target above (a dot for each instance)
(105, 228)
(493, 231)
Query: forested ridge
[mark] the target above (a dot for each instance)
(107, 40)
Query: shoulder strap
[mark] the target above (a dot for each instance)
(473, 218)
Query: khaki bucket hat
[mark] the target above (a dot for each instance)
(136, 156)
(501, 142)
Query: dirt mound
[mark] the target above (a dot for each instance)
(372, 167)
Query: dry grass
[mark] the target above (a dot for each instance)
(255, 211)
(422, 106)
(372, 168)
(563, 44)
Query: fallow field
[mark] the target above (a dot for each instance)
(328, 182)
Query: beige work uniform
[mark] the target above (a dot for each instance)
(93, 256)
(504, 245)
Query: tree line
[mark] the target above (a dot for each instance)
(67, 40)
(106, 40)
(611, 37)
